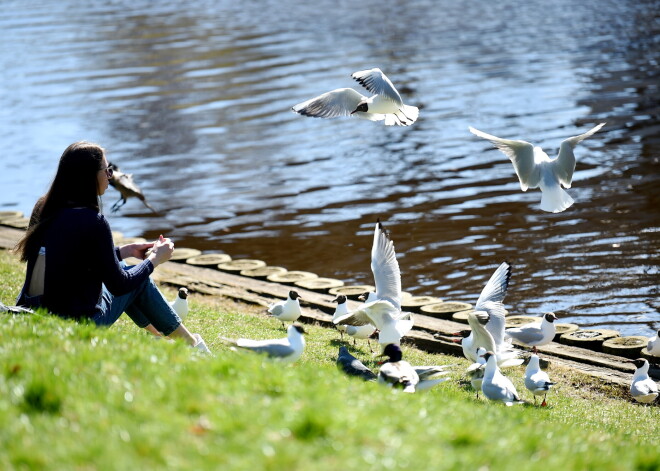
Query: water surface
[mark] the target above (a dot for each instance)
(194, 99)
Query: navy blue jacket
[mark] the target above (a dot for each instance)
(80, 258)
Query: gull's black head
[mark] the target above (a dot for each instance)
(362, 107)
(294, 295)
(487, 355)
(639, 362)
(299, 328)
(340, 299)
(393, 352)
(183, 293)
(550, 317)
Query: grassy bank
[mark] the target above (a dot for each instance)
(73, 396)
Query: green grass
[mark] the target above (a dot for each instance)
(73, 396)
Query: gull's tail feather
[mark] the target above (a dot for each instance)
(555, 200)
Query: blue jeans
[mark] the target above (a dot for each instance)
(144, 305)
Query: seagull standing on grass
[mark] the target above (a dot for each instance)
(535, 334)
(287, 310)
(495, 385)
(643, 389)
(352, 366)
(537, 380)
(288, 349)
(385, 312)
(535, 169)
(477, 370)
(396, 372)
(340, 310)
(180, 303)
(385, 105)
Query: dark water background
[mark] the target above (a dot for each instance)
(193, 98)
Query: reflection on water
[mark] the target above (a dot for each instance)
(195, 103)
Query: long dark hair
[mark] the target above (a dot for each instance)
(75, 185)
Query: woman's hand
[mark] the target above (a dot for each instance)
(136, 250)
(161, 251)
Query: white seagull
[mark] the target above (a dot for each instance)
(495, 385)
(180, 303)
(488, 320)
(287, 310)
(385, 312)
(396, 372)
(643, 389)
(385, 105)
(535, 169)
(476, 370)
(288, 349)
(340, 310)
(535, 334)
(537, 380)
(653, 347)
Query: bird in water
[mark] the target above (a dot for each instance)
(536, 170)
(126, 186)
(384, 105)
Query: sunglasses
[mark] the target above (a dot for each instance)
(108, 171)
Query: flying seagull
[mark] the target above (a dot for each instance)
(384, 105)
(535, 169)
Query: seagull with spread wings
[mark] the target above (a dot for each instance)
(385, 311)
(384, 105)
(535, 169)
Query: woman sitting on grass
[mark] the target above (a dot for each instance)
(73, 267)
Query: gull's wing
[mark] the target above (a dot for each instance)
(339, 102)
(428, 372)
(276, 309)
(481, 336)
(272, 348)
(377, 82)
(495, 289)
(126, 181)
(385, 267)
(521, 154)
(379, 313)
(358, 317)
(564, 165)
(496, 321)
(398, 373)
(527, 333)
(426, 384)
(641, 388)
